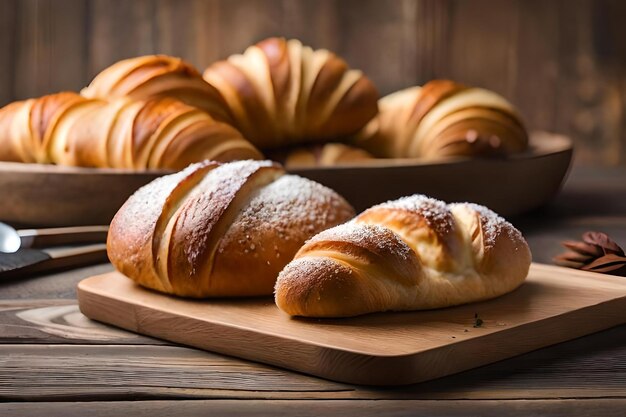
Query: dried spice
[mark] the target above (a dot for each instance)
(597, 252)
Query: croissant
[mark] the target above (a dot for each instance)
(281, 93)
(152, 76)
(443, 119)
(408, 254)
(322, 155)
(219, 229)
(68, 129)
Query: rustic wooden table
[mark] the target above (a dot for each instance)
(56, 362)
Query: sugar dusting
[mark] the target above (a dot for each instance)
(210, 199)
(381, 239)
(313, 270)
(493, 225)
(435, 212)
(293, 209)
(146, 204)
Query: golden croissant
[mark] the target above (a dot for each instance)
(219, 229)
(152, 76)
(68, 129)
(408, 254)
(281, 93)
(443, 119)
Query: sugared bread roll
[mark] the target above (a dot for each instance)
(409, 254)
(151, 76)
(219, 229)
(282, 93)
(68, 129)
(443, 119)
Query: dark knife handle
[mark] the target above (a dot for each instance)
(27, 262)
(58, 236)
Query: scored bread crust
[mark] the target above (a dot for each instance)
(220, 229)
(409, 254)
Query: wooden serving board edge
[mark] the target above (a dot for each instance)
(347, 366)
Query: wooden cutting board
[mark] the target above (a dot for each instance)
(554, 305)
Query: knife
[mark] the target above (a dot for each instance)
(30, 261)
(11, 240)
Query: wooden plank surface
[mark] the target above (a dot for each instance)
(304, 408)
(59, 321)
(585, 368)
(554, 304)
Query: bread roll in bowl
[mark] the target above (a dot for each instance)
(150, 76)
(409, 254)
(321, 155)
(68, 129)
(282, 93)
(220, 229)
(444, 119)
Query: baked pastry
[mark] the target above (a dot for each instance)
(219, 229)
(282, 93)
(408, 254)
(153, 76)
(68, 129)
(443, 119)
(322, 155)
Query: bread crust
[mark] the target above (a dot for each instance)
(409, 254)
(68, 129)
(282, 93)
(321, 155)
(443, 119)
(158, 76)
(220, 229)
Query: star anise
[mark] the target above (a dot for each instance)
(597, 252)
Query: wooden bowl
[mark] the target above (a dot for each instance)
(48, 195)
(509, 186)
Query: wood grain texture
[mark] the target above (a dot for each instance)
(304, 408)
(49, 47)
(562, 62)
(8, 29)
(379, 349)
(60, 285)
(119, 29)
(590, 367)
(65, 195)
(58, 321)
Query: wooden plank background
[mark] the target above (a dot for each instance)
(563, 62)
